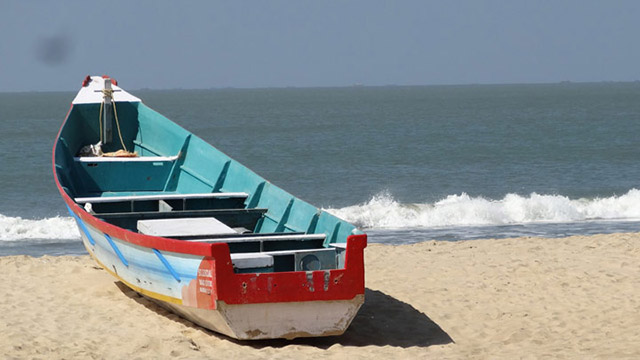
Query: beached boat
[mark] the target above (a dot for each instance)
(183, 224)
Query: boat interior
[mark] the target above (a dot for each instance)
(180, 187)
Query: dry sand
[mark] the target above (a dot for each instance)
(575, 297)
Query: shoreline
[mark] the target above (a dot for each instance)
(572, 297)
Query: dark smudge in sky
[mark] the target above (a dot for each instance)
(54, 50)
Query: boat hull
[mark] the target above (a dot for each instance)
(299, 271)
(180, 289)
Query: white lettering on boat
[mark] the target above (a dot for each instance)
(205, 290)
(205, 273)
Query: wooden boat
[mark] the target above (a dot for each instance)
(183, 224)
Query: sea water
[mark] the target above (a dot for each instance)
(405, 164)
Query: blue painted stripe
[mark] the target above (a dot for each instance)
(115, 248)
(166, 264)
(83, 227)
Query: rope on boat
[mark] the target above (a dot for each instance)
(100, 120)
(96, 149)
(109, 93)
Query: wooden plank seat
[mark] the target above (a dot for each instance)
(342, 246)
(261, 237)
(99, 159)
(209, 229)
(234, 218)
(108, 199)
(142, 215)
(162, 202)
(261, 242)
(251, 260)
(184, 227)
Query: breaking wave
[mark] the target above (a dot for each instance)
(17, 228)
(383, 211)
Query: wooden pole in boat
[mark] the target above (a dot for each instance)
(107, 112)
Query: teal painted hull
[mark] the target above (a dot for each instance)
(272, 263)
(200, 168)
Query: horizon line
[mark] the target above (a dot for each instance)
(355, 85)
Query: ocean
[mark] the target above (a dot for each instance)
(405, 164)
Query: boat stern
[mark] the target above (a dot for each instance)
(275, 305)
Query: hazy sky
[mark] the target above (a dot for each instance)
(52, 45)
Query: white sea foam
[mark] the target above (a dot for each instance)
(383, 211)
(17, 228)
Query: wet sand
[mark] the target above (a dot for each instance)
(576, 297)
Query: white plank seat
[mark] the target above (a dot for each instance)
(258, 237)
(107, 159)
(342, 246)
(161, 198)
(251, 260)
(107, 199)
(203, 226)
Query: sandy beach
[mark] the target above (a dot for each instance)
(575, 297)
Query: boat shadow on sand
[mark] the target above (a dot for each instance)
(382, 321)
